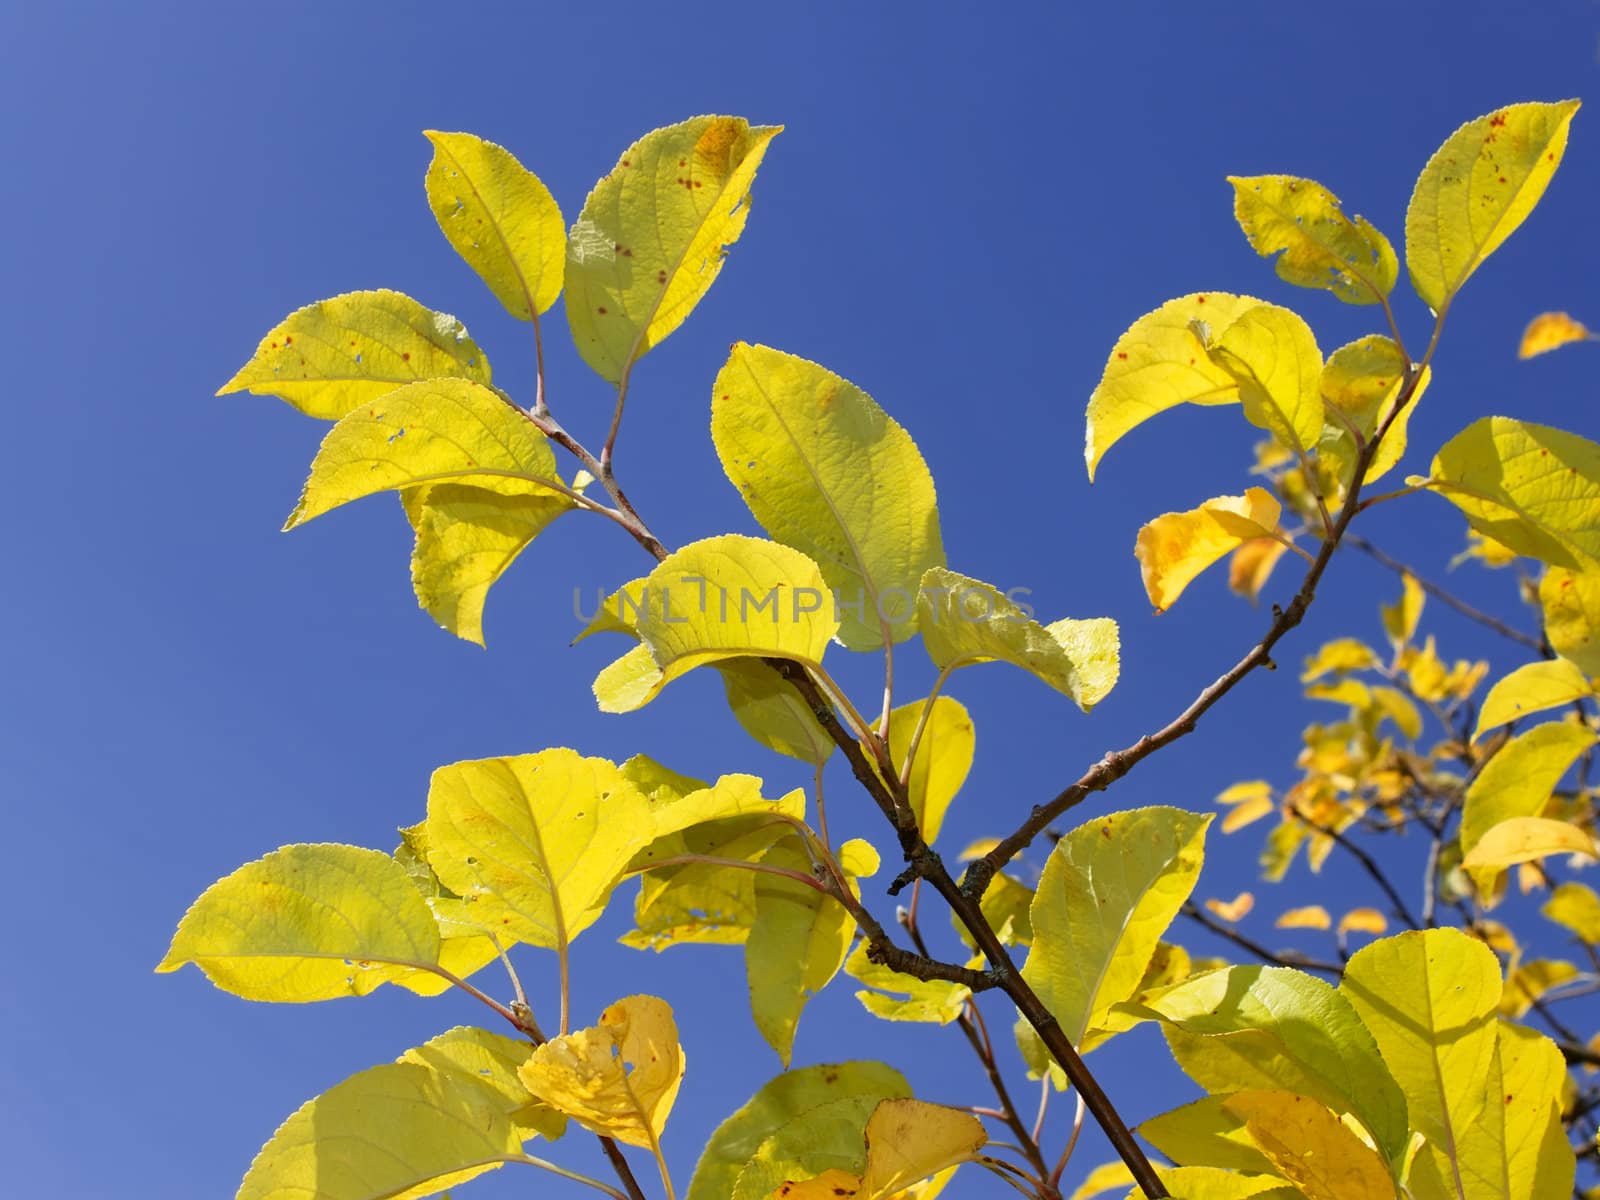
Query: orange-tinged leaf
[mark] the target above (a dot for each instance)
(1246, 812)
(1251, 566)
(1236, 909)
(1363, 920)
(1176, 547)
(1313, 916)
(1550, 331)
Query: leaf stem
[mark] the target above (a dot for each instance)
(543, 1164)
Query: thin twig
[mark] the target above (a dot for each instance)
(1443, 596)
(1281, 958)
(1368, 864)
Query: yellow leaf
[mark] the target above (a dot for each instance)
(784, 1102)
(965, 622)
(1531, 980)
(1575, 907)
(720, 598)
(1006, 905)
(1206, 1132)
(1311, 917)
(1362, 381)
(535, 843)
(500, 218)
(1550, 331)
(909, 1141)
(432, 432)
(1251, 566)
(653, 233)
(1175, 548)
(1309, 1145)
(1270, 1027)
(1322, 247)
(617, 1078)
(338, 354)
(827, 471)
(1347, 691)
(1250, 789)
(1527, 839)
(978, 848)
(769, 709)
(1210, 1183)
(1246, 812)
(398, 1130)
(1400, 618)
(1162, 361)
(944, 756)
(1530, 689)
(1108, 892)
(1396, 705)
(310, 922)
(799, 939)
(1338, 657)
(822, 1138)
(832, 1184)
(933, 1001)
(1476, 189)
(1273, 355)
(467, 537)
(1570, 601)
(1103, 1178)
(1517, 782)
(1533, 489)
(492, 1062)
(1363, 920)
(1522, 1112)
(1236, 909)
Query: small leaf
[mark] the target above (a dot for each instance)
(1173, 549)
(934, 1001)
(1251, 566)
(944, 756)
(1362, 381)
(1530, 689)
(1528, 839)
(827, 471)
(1272, 354)
(1322, 247)
(309, 922)
(1162, 361)
(442, 430)
(1337, 657)
(1570, 601)
(1313, 916)
(1400, 618)
(1104, 1178)
(1550, 331)
(1476, 189)
(1534, 489)
(500, 218)
(335, 355)
(1575, 907)
(965, 622)
(722, 598)
(779, 1104)
(1233, 910)
(618, 1078)
(653, 233)
(1530, 981)
(1363, 920)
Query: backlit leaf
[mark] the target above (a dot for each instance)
(338, 354)
(1104, 1178)
(899, 997)
(1529, 487)
(1529, 982)
(441, 430)
(492, 1061)
(1550, 331)
(779, 1104)
(1575, 907)
(1363, 920)
(1528, 839)
(944, 756)
(1362, 381)
(908, 1141)
(534, 843)
(1162, 361)
(310, 922)
(1400, 618)
(1176, 547)
(1337, 657)
(827, 1137)
(1322, 248)
(653, 233)
(1251, 566)
(1518, 781)
(1530, 689)
(769, 709)
(1312, 916)
(1309, 1145)
(1108, 892)
(500, 218)
(618, 1078)
(1212, 1183)
(1233, 910)
(827, 471)
(1476, 189)
(1272, 354)
(1570, 601)
(965, 622)
(1206, 1133)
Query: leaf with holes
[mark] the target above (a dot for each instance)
(1321, 247)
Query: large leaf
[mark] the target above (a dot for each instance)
(827, 471)
(1570, 601)
(535, 843)
(653, 233)
(1241, 1028)
(799, 939)
(1108, 892)
(1527, 839)
(466, 539)
(904, 1143)
(1518, 781)
(309, 922)
(721, 598)
(826, 1137)
(780, 1103)
(769, 709)
(338, 354)
(1272, 354)
(500, 218)
(1307, 1144)
(441, 430)
(1529, 689)
(398, 1130)
(618, 1078)
(1322, 248)
(965, 622)
(492, 1061)
(1206, 1133)
(944, 756)
(1531, 488)
(1476, 189)
(1162, 361)
(1173, 549)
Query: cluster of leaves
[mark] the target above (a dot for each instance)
(1410, 1075)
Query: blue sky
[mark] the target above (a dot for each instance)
(967, 207)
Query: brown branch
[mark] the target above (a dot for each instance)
(1279, 958)
(1367, 864)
